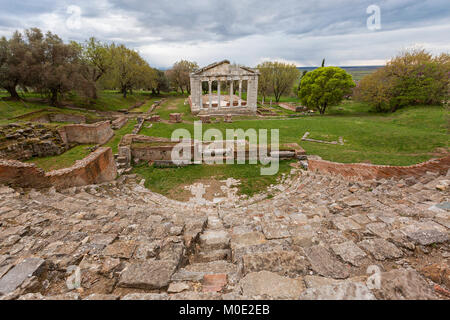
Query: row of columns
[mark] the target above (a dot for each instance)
(219, 95)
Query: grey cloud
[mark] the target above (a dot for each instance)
(289, 29)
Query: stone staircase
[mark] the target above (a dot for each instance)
(214, 241)
(315, 238)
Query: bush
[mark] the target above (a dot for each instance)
(325, 87)
(414, 77)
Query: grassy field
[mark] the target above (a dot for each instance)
(168, 180)
(64, 160)
(406, 137)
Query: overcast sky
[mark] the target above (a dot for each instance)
(243, 31)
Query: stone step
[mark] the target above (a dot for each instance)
(214, 239)
(214, 255)
(214, 223)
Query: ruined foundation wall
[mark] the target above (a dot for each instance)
(98, 133)
(97, 167)
(27, 175)
(363, 171)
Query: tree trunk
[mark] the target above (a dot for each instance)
(54, 97)
(322, 110)
(13, 93)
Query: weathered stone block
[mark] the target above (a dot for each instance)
(21, 272)
(325, 264)
(153, 274)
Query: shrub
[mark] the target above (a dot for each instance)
(325, 87)
(413, 77)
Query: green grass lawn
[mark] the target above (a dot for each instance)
(165, 180)
(69, 157)
(174, 105)
(118, 134)
(406, 137)
(64, 160)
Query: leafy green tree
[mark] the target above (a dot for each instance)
(13, 66)
(376, 90)
(179, 75)
(162, 83)
(325, 87)
(413, 77)
(130, 71)
(96, 58)
(277, 78)
(59, 68)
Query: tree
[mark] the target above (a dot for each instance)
(265, 82)
(162, 83)
(129, 71)
(60, 70)
(97, 61)
(179, 75)
(301, 77)
(325, 87)
(376, 90)
(277, 78)
(412, 77)
(12, 63)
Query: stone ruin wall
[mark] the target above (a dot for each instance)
(98, 133)
(97, 167)
(363, 171)
(119, 122)
(19, 142)
(59, 117)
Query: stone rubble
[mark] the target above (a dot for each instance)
(318, 237)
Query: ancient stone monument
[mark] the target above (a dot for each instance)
(224, 73)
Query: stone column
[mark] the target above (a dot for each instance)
(252, 93)
(240, 93)
(210, 94)
(218, 93)
(231, 93)
(200, 93)
(193, 94)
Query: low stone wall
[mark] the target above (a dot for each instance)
(98, 133)
(59, 117)
(363, 171)
(119, 123)
(97, 167)
(16, 173)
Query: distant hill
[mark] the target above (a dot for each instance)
(357, 72)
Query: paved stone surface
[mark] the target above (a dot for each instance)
(349, 252)
(426, 237)
(21, 272)
(269, 284)
(404, 285)
(317, 231)
(285, 263)
(325, 264)
(147, 275)
(381, 249)
(339, 291)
